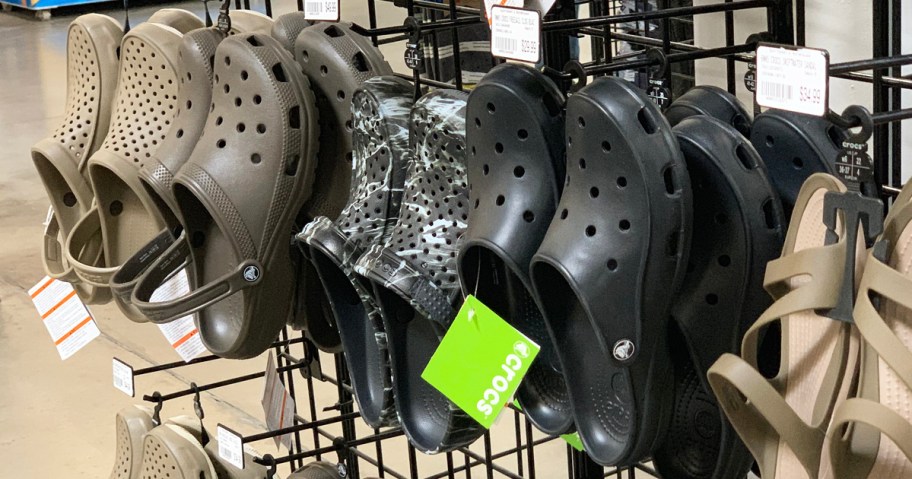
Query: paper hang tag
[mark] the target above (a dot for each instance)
(325, 10)
(123, 377)
(230, 446)
(65, 316)
(516, 34)
(750, 77)
(793, 79)
(854, 164)
(414, 58)
(480, 362)
(659, 93)
(182, 333)
(277, 403)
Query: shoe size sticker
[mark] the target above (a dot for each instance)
(65, 316)
(480, 362)
(321, 10)
(792, 79)
(182, 333)
(516, 34)
(230, 446)
(277, 403)
(123, 377)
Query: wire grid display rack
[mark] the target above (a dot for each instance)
(334, 431)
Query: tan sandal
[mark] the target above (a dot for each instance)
(881, 408)
(783, 420)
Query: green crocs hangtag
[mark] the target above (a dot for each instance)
(480, 362)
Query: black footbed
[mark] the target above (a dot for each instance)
(738, 227)
(516, 172)
(609, 265)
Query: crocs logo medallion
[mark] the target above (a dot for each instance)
(251, 273)
(623, 350)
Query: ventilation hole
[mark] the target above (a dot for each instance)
(69, 199)
(671, 247)
(500, 200)
(218, 121)
(257, 99)
(669, 176)
(798, 163)
(745, 157)
(590, 230)
(291, 165)
(189, 104)
(522, 134)
(712, 299)
(491, 108)
(582, 164)
(253, 41)
(612, 264)
(340, 95)
(624, 225)
(594, 192)
(244, 75)
(485, 169)
(294, 117)
(305, 57)
(116, 208)
(476, 203)
(261, 128)
(646, 121)
(478, 123)
(581, 122)
(220, 143)
(227, 88)
(769, 214)
(333, 31)
(227, 60)
(770, 141)
(724, 261)
(359, 62)
(519, 172)
(564, 213)
(606, 147)
(255, 158)
(323, 70)
(180, 132)
(279, 72)
(241, 127)
(528, 216)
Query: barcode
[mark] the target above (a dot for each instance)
(776, 91)
(313, 8)
(504, 44)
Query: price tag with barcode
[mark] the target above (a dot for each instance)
(321, 10)
(230, 447)
(123, 377)
(793, 79)
(516, 34)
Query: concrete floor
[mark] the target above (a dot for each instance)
(56, 417)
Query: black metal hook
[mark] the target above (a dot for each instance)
(659, 62)
(854, 116)
(156, 411)
(197, 404)
(272, 466)
(208, 17)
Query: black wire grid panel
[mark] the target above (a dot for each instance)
(335, 431)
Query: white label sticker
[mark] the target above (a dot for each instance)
(793, 80)
(321, 10)
(123, 377)
(515, 34)
(230, 446)
(66, 318)
(278, 404)
(182, 334)
(500, 3)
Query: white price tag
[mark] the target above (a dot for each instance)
(321, 10)
(516, 34)
(64, 315)
(230, 446)
(182, 334)
(123, 377)
(278, 404)
(793, 80)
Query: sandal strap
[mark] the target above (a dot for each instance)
(823, 264)
(761, 416)
(876, 415)
(81, 240)
(890, 285)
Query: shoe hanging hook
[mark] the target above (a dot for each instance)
(156, 412)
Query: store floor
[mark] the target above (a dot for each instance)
(57, 417)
